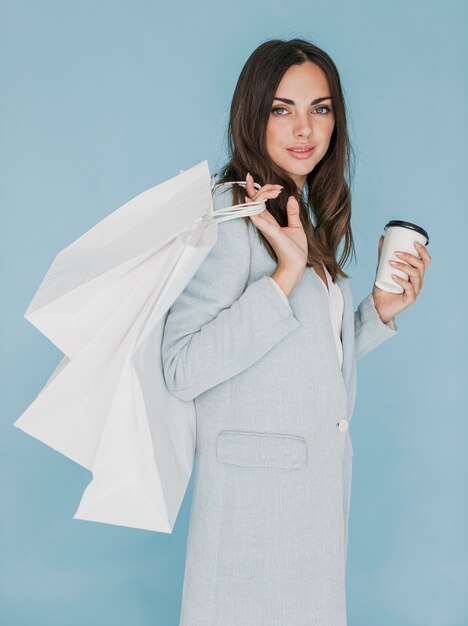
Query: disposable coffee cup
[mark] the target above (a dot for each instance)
(399, 237)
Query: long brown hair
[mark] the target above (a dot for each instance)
(328, 184)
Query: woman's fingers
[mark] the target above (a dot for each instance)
(267, 192)
(265, 214)
(412, 272)
(262, 195)
(292, 207)
(411, 259)
(249, 185)
(270, 229)
(252, 192)
(423, 252)
(409, 292)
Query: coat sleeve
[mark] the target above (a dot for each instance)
(369, 330)
(219, 326)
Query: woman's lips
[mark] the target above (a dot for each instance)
(301, 155)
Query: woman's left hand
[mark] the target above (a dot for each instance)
(390, 304)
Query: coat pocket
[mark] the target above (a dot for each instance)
(257, 449)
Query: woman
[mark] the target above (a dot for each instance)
(264, 339)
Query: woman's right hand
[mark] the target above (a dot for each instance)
(289, 242)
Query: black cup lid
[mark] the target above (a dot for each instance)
(418, 229)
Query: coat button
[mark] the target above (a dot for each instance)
(343, 425)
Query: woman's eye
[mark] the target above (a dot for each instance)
(327, 109)
(278, 109)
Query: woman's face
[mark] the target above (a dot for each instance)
(300, 120)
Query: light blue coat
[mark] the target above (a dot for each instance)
(267, 542)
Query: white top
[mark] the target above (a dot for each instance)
(336, 306)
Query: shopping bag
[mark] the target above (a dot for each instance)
(104, 302)
(82, 286)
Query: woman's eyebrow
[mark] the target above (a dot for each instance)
(316, 101)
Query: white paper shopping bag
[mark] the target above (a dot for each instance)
(142, 466)
(82, 286)
(104, 302)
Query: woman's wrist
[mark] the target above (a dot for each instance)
(286, 279)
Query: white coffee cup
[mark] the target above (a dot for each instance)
(399, 237)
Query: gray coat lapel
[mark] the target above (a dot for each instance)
(348, 368)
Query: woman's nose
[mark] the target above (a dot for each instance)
(304, 126)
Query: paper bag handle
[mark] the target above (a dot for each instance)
(236, 210)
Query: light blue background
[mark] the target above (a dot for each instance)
(102, 100)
